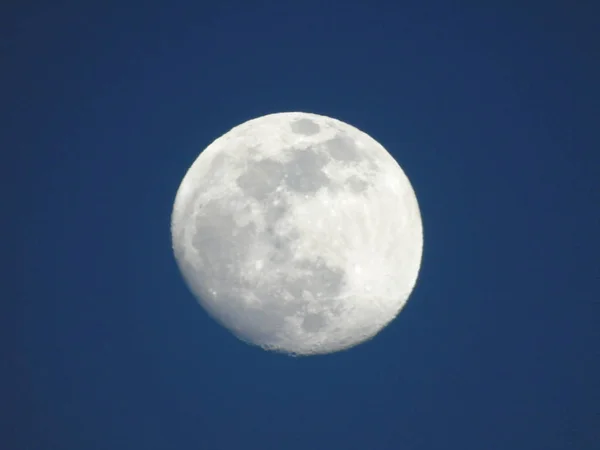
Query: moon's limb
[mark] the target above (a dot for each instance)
(299, 233)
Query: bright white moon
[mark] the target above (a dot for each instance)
(299, 233)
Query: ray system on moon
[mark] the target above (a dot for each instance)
(299, 233)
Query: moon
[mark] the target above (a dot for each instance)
(299, 233)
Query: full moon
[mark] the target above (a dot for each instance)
(299, 233)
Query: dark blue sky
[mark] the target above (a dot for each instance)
(492, 112)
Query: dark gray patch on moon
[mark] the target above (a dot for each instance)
(261, 178)
(305, 126)
(217, 164)
(303, 172)
(342, 148)
(279, 246)
(218, 280)
(357, 185)
(215, 226)
(258, 323)
(320, 280)
(313, 322)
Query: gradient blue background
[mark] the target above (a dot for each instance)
(492, 112)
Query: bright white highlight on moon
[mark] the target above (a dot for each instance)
(299, 233)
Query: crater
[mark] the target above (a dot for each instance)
(305, 127)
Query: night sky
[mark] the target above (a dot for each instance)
(492, 113)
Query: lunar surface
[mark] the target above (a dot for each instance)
(299, 233)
